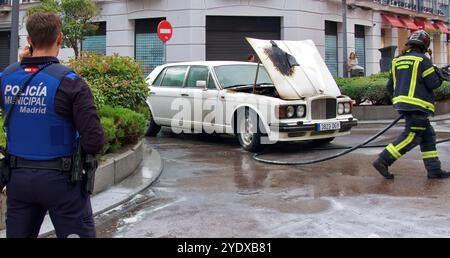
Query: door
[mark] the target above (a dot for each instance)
(167, 96)
(331, 47)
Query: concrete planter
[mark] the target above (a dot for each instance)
(388, 113)
(109, 173)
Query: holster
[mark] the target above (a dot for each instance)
(83, 170)
(5, 170)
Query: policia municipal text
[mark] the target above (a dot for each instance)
(412, 81)
(50, 119)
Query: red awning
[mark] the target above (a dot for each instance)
(425, 25)
(408, 23)
(392, 20)
(441, 27)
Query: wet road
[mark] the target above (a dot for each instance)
(212, 188)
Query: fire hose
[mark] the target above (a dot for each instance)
(347, 149)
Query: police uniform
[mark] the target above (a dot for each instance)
(52, 112)
(412, 81)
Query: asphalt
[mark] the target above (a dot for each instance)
(148, 171)
(210, 187)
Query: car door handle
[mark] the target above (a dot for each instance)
(184, 95)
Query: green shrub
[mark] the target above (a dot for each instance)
(361, 89)
(109, 129)
(2, 134)
(115, 80)
(443, 92)
(129, 125)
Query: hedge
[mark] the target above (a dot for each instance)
(373, 89)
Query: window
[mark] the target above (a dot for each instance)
(360, 45)
(158, 80)
(211, 83)
(149, 49)
(97, 42)
(174, 76)
(197, 73)
(241, 75)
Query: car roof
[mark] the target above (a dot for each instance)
(211, 63)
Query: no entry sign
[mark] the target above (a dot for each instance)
(165, 30)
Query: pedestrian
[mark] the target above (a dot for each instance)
(251, 58)
(352, 61)
(45, 120)
(412, 81)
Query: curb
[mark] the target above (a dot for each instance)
(116, 195)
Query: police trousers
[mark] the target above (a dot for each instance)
(33, 192)
(418, 131)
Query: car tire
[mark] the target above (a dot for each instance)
(153, 128)
(249, 137)
(323, 141)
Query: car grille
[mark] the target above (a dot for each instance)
(323, 109)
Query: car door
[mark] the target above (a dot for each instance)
(195, 88)
(164, 97)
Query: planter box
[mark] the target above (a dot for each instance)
(388, 112)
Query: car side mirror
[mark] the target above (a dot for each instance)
(201, 84)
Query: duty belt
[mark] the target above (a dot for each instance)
(61, 164)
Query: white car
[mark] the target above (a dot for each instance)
(291, 96)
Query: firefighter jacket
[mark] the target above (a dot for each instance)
(412, 81)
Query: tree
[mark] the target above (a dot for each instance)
(76, 15)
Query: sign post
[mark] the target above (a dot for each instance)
(165, 32)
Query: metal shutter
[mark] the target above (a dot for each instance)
(225, 35)
(360, 46)
(4, 49)
(97, 42)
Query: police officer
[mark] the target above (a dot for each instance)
(412, 81)
(51, 113)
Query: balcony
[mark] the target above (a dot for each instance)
(433, 9)
(5, 6)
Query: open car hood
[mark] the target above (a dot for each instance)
(296, 68)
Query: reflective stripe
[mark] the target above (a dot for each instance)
(429, 155)
(391, 149)
(414, 101)
(402, 67)
(418, 128)
(427, 72)
(412, 85)
(394, 79)
(413, 58)
(405, 142)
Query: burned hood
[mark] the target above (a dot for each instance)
(296, 68)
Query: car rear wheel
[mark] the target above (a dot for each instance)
(153, 128)
(248, 132)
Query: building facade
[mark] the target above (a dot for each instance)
(216, 29)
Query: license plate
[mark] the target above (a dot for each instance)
(328, 126)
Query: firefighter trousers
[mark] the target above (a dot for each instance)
(418, 131)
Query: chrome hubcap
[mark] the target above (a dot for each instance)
(247, 130)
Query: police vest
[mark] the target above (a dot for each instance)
(35, 131)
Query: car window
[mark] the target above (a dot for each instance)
(211, 83)
(233, 75)
(174, 76)
(158, 80)
(196, 73)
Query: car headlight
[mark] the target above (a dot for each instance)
(290, 111)
(301, 111)
(341, 108)
(347, 108)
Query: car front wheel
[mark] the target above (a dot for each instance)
(248, 132)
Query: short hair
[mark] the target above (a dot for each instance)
(43, 29)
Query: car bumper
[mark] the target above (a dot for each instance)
(346, 125)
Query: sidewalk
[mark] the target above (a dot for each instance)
(147, 172)
(439, 118)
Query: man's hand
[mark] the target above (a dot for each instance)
(443, 73)
(25, 53)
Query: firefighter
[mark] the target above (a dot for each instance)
(412, 81)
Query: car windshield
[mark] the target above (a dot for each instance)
(241, 75)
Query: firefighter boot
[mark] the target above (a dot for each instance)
(382, 168)
(438, 174)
